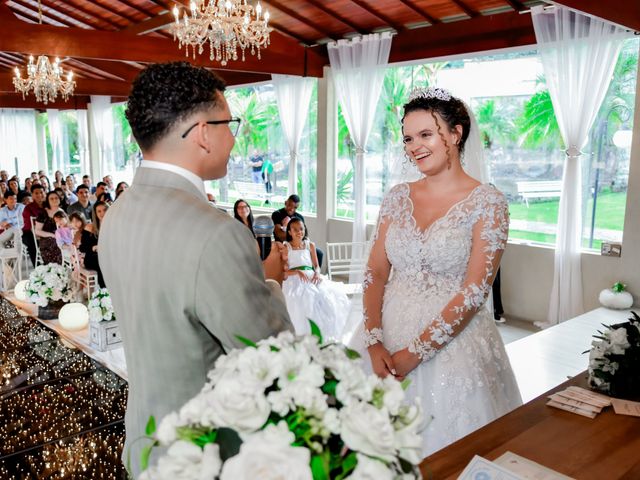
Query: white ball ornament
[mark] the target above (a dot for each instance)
(73, 316)
(20, 290)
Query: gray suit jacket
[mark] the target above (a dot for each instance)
(184, 280)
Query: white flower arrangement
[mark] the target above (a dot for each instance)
(50, 282)
(290, 408)
(100, 306)
(614, 359)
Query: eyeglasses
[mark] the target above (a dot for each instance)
(234, 125)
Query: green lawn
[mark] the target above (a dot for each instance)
(609, 211)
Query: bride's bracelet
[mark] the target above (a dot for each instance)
(422, 349)
(373, 336)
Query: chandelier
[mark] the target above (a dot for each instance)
(225, 25)
(43, 78)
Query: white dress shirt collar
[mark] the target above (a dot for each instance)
(183, 172)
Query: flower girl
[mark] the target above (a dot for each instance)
(309, 296)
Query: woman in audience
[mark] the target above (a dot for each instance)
(78, 225)
(308, 295)
(44, 181)
(89, 240)
(46, 228)
(242, 212)
(64, 204)
(58, 179)
(27, 184)
(121, 187)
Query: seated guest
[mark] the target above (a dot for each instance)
(11, 220)
(64, 235)
(108, 179)
(86, 180)
(3, 188)
(101, 188)
(70, 181)
(104, 197)
(83, 205)
(122, 186)
(58, 179)
(282, 217)
(78, 225)
(89, 240)
(33, 210)
(14, 186)
(44, 181)
(63, 198)
(46, 230)
(242, 212)
(26, 198)
(69, 194)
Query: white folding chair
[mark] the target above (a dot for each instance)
(86, 279)
(11, 264)
(344, 259)
(39, 260)
(26, 260)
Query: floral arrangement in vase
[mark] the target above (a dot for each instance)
(290, 407)
(614, 359)
(616, 297)
(47, 283)
(100, 306)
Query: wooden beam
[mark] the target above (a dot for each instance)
(304, 20)
(516, 5)
(14, 100)
(320, 5)
(478, 34)
(90, 19)
(85, 86)
(622, 12)
(118, 69)
(421, 11)
(145, 11)
(282, 56)
(32, 15)
(151, 25)
(370, 10)
(465, 8)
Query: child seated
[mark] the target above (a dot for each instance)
(64, 236)
(308, 295)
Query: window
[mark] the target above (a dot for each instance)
(126, 152)
(261, 140)
(522, 142)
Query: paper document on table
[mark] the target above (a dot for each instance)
(528, 469)
(625, 407)
(482, 469)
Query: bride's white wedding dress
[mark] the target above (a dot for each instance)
(439, 281)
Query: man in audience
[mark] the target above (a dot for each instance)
(71, 183)
(101, 188)
(83, 205)
(86, 180)
(4, 176)
(34, 209)
(184, 278)
(34, 176)
(11, 213)
(26, 198)
(108, 179)
(282, 217)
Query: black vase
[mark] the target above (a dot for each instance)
(52, 310)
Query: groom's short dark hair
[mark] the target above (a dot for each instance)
(166, 93)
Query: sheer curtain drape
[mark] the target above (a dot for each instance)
(83, 141)
(56, 136)
(293, 95)
(578, 55)
(102, 121)
(19, 141)
(358, 68)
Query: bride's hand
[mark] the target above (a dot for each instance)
(381, 360)
(405, 362)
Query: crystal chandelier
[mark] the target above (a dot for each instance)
(43, 78)
(225, 25)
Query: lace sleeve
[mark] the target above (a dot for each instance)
(489, 239)
(377, 271)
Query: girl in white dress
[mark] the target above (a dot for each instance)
(308, 295)
(434, 254)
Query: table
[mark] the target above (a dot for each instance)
(604, 448)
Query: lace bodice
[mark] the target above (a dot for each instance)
(453, 260)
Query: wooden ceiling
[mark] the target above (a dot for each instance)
(107, 42)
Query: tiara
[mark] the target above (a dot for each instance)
(430, 92)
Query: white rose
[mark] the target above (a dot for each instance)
(238, 404)
(619, 342)
(370, 469)
(284, 340)
(259, 364)
(393, 394)
(186, 461)
(268, 455)
(298, 369)
(408, 442)
(196, 411)
(331, 420)
(353, 385)
(368, 429)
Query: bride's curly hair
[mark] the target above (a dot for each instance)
(452, 111)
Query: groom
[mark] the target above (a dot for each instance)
(184, 277)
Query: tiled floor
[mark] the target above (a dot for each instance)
(514, 330)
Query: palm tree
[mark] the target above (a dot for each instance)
(494, 123)
(537, 125)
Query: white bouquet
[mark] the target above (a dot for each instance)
(50, 282)
(290, 408)
(100, 306)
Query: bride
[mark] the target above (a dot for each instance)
(434, 254)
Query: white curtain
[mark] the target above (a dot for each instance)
(83, 141)
(293, 95)
(56, 136)
(578, 55)
(102, 121)
(19, 141)
(358, 67)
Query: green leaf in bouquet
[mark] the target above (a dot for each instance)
(247, 342)
(405, 384)
(330, 387)
(320, 466)
(229, 442)
(146, 454)
(204, 439)
(315, 331)
(150, 429)
(348, 465)
(351, 354)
